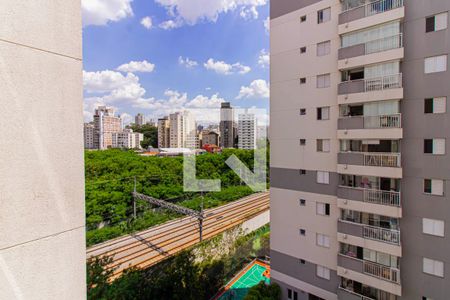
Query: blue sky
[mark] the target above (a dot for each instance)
(190, 53)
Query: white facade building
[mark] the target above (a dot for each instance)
(183, 130)
(246, 131)
(127, 139)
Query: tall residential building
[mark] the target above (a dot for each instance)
(139, 119)
(183, 133)
(127, 139)
(106, 123)
(88, 135)
(163, 132)
(246, 131)
(42, 217)
(359, 166)
(227, 126)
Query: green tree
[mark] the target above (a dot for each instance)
(150, 134)
(263, 291)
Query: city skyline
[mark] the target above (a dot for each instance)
(149, 75)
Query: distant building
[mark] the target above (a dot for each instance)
(163, 132)
(246, 131)
(88, 134)
(139, 119)
(127, 139)
(227, 126)
(105, 124)
(209, 138)
(183, 130)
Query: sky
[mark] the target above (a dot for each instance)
(160, 56)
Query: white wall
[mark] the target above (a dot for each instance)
(42, 234)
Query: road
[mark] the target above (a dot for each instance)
(146, 248)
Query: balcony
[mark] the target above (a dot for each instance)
(383, 83)
(370, 268)
(385, 235)
(370, 122)
(368, 10)
(375, 46)
(390, 160)
(381, 197)
(345, 293)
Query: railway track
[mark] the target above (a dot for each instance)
(148, 247)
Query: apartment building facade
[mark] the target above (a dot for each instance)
(127, 139)
(359, 166)
(105, 124)
(182, 129)
(163, 132)
(139, 119)
(88, 135)
(246, 131)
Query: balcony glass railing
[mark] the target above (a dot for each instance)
(383, 121)
(381, 271)
(383, 83)
(382, 6)
(381, 234)
(382, 160)
(390, 198)
(372, 8)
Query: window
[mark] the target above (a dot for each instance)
(323, 113)
(323, 48)
(295, 295)
(436, 22)
(323, 177)
(323, 209)
(302, 261)
(302, 202)
(289, 293)
(433, 187)
(302, 142)
(303, 50)
(302, 111)
(324, 15)
(426, 298)
(323, 240)
(302, 19)
(433, 227)
(302, 172)
(323, 272)
(323, 145)
(435, 64)
(303, 80)
(435, 105)
(434, 146)
(302, 232)
(323, 81)
(433, 267)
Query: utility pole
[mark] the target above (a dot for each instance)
(200, 219)
(134, 199)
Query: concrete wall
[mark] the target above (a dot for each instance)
(416, 165)
(42, 234)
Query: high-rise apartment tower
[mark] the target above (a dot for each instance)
(227, 126)
(359, 165)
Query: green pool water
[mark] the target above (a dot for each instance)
(240, 288)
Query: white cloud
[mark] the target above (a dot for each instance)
(106, 81)
(222, 67)
(170, 24)
(116, 89)
(126, 118)
(264, 59)
(267, 25)
(101, 12)
(137, 66)
(188, 63)
(191, 12)
(147, 22)
(259, 88)
(204, 102)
